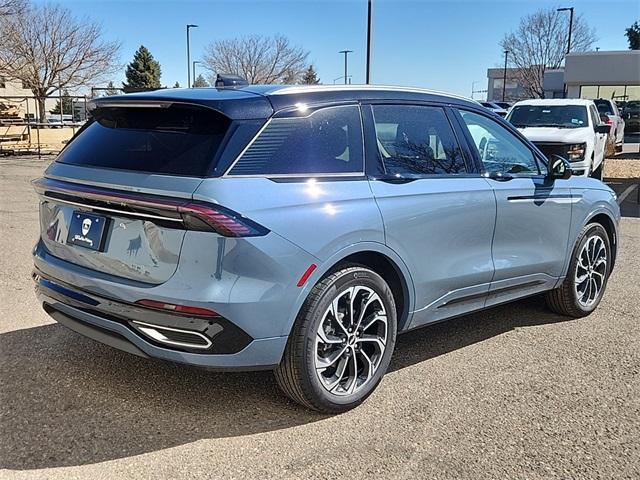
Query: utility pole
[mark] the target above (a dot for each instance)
(346, 69)
(570, 10)
(504, 75)
(369, 24)
(189, 56)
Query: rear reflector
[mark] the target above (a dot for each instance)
(181, 309)
(307, 273)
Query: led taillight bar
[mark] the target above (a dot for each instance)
(200, 216)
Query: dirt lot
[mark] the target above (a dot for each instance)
(514, 392)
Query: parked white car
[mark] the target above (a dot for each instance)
(571, 128)
(615, 120)
(495, 108)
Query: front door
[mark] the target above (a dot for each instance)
(533, 212)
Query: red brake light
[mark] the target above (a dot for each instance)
(221, 220)
(182, 309)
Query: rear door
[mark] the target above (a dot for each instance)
(438, 212)
(127, 153)
(533, 213)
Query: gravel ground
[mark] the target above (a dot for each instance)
(514, 392)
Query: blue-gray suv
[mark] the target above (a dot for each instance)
(301, 229)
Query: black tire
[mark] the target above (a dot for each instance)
(598, 173)
(564, 299)
(296, 374)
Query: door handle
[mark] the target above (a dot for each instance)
(499, 176)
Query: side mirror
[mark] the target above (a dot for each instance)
(603, 128)
(559, 168)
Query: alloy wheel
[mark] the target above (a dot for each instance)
(351, 340)
(591, 271)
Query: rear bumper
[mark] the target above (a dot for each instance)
(111, 323)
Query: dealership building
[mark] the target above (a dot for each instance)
(612, 74)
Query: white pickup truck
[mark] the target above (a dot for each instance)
(571, 128)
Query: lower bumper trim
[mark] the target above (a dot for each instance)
(95, 333)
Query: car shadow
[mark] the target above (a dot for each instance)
(68, 401)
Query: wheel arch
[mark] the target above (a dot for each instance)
(379, 258)
(609, 225)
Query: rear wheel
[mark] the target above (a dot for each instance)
(341, 343)
(586, 280)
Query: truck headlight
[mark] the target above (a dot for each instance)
(575, 152)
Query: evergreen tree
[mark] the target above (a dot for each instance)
(111, 90)
(176, 85)
(633, 36)
(200, 82)
(143, 73)
(67, 104)
(310, 77)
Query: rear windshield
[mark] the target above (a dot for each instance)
(176, 140)
(558, 116)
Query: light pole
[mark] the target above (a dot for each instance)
(504, 73)
(346, 70)
(189, 56)
(570, 10)
(194, 63)
(369, 25)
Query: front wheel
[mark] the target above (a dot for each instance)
(341, 343)
(586, 280)
(598, 173)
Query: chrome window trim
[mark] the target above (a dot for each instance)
(228, 174)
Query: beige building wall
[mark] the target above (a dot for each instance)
(13, 88)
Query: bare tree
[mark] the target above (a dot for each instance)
(257, 58)
(47, 49)
(11, 7)
(540, 43)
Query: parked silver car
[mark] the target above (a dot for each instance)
(301, 229)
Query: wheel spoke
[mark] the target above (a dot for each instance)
(328, 339)
(582, 278)
(339, 374)
(373, 297)
(353, 372)
(371, 339)
(368, 364)
(336, 314)
(325, 362)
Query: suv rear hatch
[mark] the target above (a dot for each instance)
(118, 199)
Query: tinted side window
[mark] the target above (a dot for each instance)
(329, 141)
(499, 150)
(416, 140)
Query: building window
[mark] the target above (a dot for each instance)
(632, 93)
(3, 82)
(618, 93)
(589, 91)
(611, 92)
